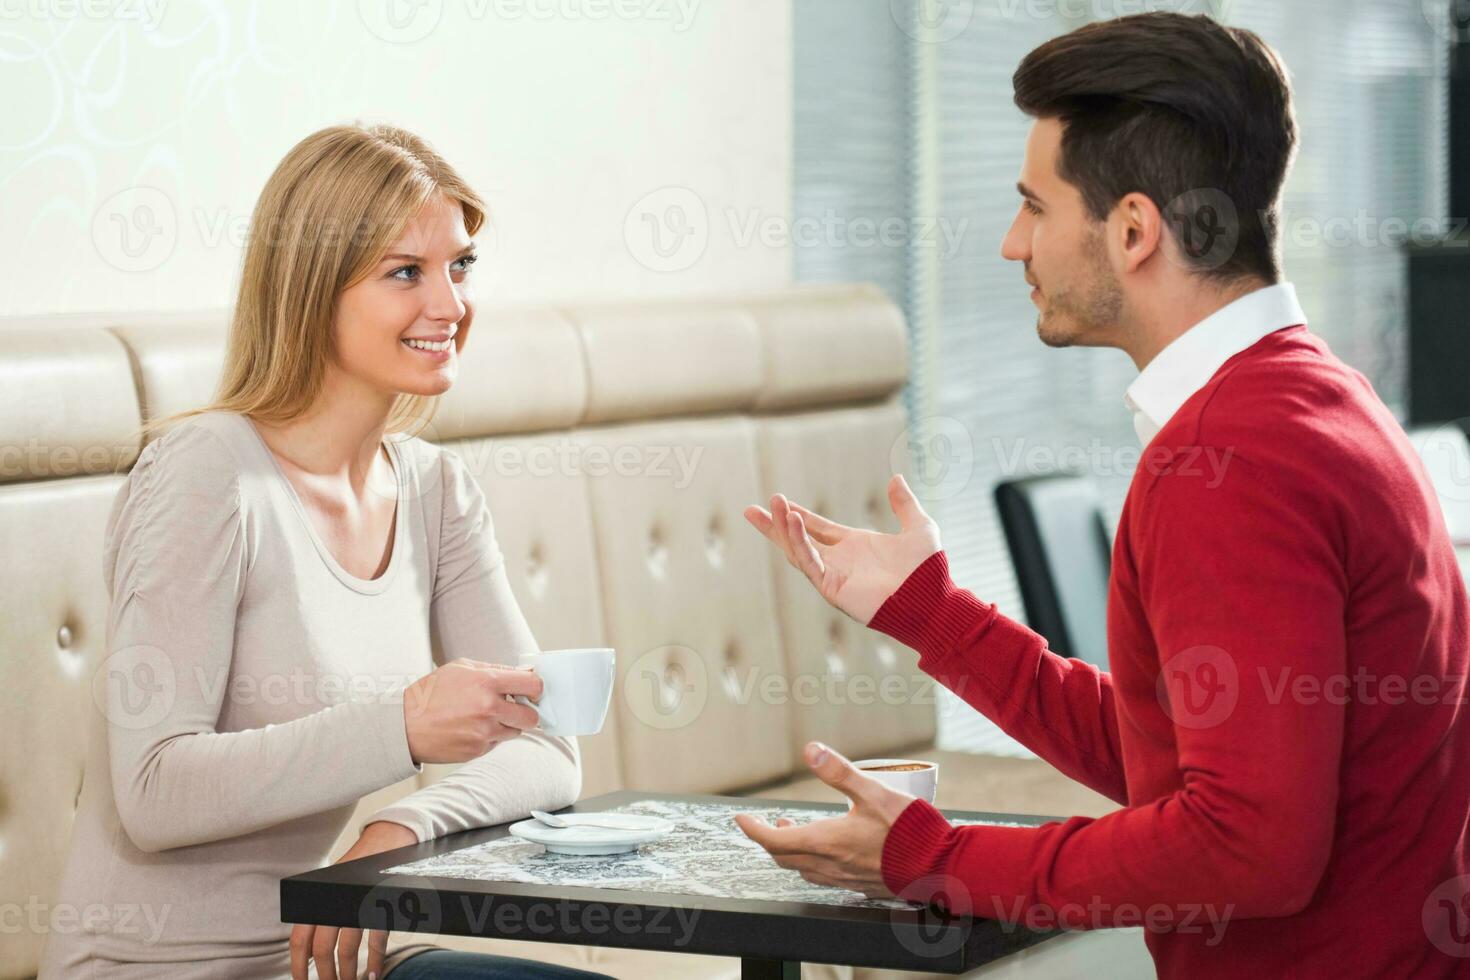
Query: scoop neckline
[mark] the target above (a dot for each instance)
(363, 585)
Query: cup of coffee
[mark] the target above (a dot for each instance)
(577, 687)
(913, 776)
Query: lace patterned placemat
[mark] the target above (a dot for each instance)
(705, 854)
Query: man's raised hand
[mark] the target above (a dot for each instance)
(854, 569)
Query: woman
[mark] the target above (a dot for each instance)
(282, 582)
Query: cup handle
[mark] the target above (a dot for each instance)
(545, 719)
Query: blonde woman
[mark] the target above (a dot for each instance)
(283, 569)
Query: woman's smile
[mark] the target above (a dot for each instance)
(437, 347)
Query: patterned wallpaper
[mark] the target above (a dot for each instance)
(626, 147)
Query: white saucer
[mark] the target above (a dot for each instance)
(640, 829)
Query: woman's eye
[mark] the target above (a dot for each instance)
(412, 273)
(1031, 207)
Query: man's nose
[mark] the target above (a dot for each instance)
(1015, 247)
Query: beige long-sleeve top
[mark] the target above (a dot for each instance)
(252, 694)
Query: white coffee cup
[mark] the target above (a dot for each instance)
(576, 689)
(916, 782)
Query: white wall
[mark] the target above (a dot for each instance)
(138, 133)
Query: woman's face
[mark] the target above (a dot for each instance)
(419, 291)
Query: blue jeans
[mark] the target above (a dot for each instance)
(447, 964)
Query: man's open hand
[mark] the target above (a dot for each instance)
(844, 852)
(854, 569)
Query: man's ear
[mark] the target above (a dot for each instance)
(1139, 229)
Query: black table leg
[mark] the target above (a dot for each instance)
(769, 970)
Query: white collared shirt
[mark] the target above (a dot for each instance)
(1192, 358)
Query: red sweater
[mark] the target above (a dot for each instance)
(1284, 722)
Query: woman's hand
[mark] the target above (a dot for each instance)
(853, 569)
(459, 711)
(335, 950)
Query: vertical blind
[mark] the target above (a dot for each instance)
(896, 111)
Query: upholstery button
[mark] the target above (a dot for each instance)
(835, 633)
(658, 552)
(671, 690)
(536, 572)
(729, 675)
(71, 663)
(714, 541)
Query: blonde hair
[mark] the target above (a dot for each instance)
(330, 211)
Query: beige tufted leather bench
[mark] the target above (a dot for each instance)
(728, 662)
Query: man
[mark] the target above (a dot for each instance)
(1284, 720)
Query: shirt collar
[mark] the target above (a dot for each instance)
(1191, 359)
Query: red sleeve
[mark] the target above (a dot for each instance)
(1238, 582)
(1059, 708)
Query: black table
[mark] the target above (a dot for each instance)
(772, 938)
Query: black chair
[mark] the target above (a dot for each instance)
(1062, 553)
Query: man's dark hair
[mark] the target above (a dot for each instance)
(1194, 114)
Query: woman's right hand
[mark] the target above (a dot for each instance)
(458, 712)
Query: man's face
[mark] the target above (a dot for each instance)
(1063, 248)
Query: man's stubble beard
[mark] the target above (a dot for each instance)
(1092, 307)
